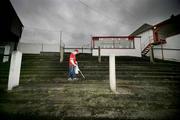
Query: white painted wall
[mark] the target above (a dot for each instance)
(173, 44)
(121, 52)
(146, 38)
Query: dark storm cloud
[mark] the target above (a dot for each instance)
(78, 19)
(150, 11)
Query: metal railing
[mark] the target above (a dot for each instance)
(114, 43)
(144, 44)
(45, 47)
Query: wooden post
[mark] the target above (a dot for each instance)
(99, 54)
(151, 54)
(162, 50)
(60, 48)
(62, 54)
(42, 49)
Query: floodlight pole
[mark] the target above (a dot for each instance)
(61, 48)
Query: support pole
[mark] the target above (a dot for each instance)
(151, 54)
(42, 49)
(162, 50)
(91, 42)
(15, 67)
(99, 54)
(61, 48)
(62, 54)
(112, 73)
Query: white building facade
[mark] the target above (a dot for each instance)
(171, 50)
(164, 37)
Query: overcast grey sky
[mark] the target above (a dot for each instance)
(78, 19)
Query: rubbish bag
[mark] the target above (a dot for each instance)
(77, 70)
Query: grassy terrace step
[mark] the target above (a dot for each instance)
(119, 72)
(120, 82)
(4, 73)
(135, 100)
(94, 66)
(50, 79)
(101, 71)
(40, 73)
(129, 68)
(44, 61)
(45, 78)
(48, 67)
(145, 91)
(85, 56)
(97, 75)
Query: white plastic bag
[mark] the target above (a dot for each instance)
(77, 70)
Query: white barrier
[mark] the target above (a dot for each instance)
(112, 73)
(15, 67)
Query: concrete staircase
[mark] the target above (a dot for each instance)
(145, 91)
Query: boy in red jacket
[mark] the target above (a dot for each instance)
(72, 65)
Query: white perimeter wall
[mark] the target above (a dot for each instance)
(121, 52)
(36, 48)
(171, 49)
